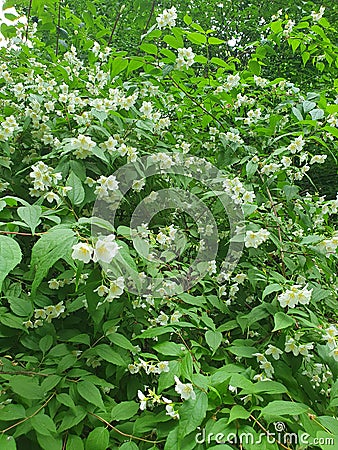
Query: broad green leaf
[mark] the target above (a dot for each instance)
(98, 439)
(74, 442)
(7, 442)
(270, 289)
(238, 412)
(197, 38)
(30, 215)
(282, 321)
(129, 446)
(43, 424)
(90, 393)
(121, 341)
(124, 410)
(213, 339)
(26, 387)
(54, 245)
(192, 413)
(77, 194)
(108, 354)
(10, 256)
(283, 408)
(12, 412)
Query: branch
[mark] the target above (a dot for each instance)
(121, 432)
(28, 17)
(29, 417)
(150, 15)
(58, 29)
(115, 24)
(267, 432)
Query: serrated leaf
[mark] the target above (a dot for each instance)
(90, 393)
(124, 410)
(284, 408)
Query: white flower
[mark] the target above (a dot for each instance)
(256, 238)
(82, 252)
(167, 18)
(116, 289)
(317, 16)
(290, 346)
(143, 398)
(171, 412)
(291, 297)
(186, 391)
(163, 366)
(334, 353)
(106, 249)
(273, 351)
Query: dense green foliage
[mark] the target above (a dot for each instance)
(244, 342)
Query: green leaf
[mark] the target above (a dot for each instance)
(77, 194)
(7, 442)
(297, 113)
(149, 48)
(26, 387)
(124, 410)
(197, 38)
(238, 412)
(118, 65)
(10, 256)
(284, 408)
(43, 424)
(12, 412)
(168, 349)
(270, 289)
(30, 215)
(121, 341)
(173, 41)
(254, 67)
(213, 339)
(74, 442)
(90, 392)
(54, 245)
(282, 321)
(108, 354)
(192, 413)
(129, 446)
(215, 41)
(98, 439)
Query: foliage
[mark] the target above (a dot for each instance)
(87, 363)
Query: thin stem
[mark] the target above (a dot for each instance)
(150, 15)
(278, 227)
(22, 234)
(28, 17)
(58, 29)
(267, 432)
(118, 16)
(121, 432)
(29, 417)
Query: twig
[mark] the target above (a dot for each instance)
(121, 432)
(28, 17)
(115, 24)
(29, 417)
(267, 432)
(58, 29)
(278, 226)
(196, 102)
(22, 234)
(150, 15)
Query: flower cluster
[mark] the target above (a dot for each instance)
(47, 313)
(256, 238)
(7, 128)
(167, 18)
(83, 146)
(149, 367)
(185, 58)
(105, 250)
(237, 192)
(291, 345)
(295, 295)
(43, 178)
(115, 290)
